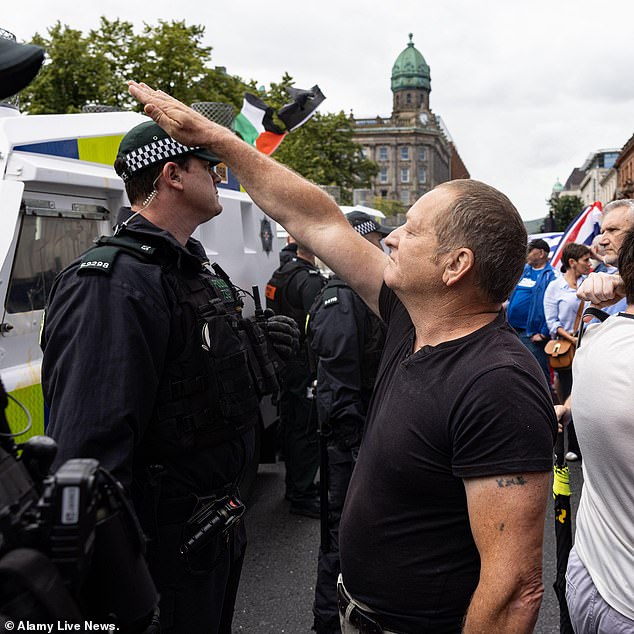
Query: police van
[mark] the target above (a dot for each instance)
(58, 192)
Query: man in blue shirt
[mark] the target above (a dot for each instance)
(526, 305)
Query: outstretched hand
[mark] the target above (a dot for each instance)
(181, 122)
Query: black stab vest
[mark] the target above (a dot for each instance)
(209, 391)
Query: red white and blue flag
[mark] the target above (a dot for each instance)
(581, 230)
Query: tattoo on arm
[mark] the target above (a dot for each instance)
(510, 482)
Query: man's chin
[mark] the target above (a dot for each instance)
(388, 279)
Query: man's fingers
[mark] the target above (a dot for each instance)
(601, 289)
(138, 91)
(153, 111)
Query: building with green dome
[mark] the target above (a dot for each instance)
(412, 147)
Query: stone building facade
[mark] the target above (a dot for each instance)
(599, 181)
(625, 170)
(412, 147)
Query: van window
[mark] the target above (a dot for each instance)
(46, 245)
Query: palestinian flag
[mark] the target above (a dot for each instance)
(255, 125)
(302, 108)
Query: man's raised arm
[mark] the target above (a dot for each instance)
(304, 210)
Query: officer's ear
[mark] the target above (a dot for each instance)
(172, 174)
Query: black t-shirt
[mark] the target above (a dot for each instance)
(475, 406)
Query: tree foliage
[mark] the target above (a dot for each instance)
(324, 151)
(83, 70)
(389, 206)
(171, 56)
(563, 210)
(70, 77)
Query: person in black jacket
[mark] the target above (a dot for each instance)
(347, 339)
(289, 251)
(150, 368)
(291, 292)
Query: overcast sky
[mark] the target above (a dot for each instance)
(527, 90)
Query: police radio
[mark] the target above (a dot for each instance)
(214, 518)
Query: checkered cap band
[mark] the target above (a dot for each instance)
(159, 150)
(366, 227)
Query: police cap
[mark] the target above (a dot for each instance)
(147, 144)
(364, 224)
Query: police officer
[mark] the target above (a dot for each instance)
(149, 367)
(347, 339)
(291, 292)
(288, 251)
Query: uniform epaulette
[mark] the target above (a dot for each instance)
(330, 293)
(102, 257)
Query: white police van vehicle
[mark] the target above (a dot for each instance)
(58, 192)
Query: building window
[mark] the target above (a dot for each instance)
(609, 158)
(384, 193)
(405, 175)
(383, 175)
(422, 175)
(422, 154)
(408, 99)
(405, 153)
(404, 196)
(382, 153)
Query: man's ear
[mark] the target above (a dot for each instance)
(458, 263)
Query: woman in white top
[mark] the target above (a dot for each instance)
(560, 307)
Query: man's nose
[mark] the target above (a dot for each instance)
(391, 239)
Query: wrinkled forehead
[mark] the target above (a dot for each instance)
(618, 218)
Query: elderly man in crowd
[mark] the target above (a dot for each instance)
(603, 289)
(442, 527)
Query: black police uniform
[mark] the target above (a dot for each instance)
(291, 292)
(287, 253)
(347, 338)
(147, 368)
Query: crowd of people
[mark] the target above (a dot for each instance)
(439, 452)
(440, 407)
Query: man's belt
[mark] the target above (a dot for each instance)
(363, 620)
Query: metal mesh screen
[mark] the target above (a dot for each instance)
(221, 113)
(97, 107)
(13, 100)
(7, 35)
